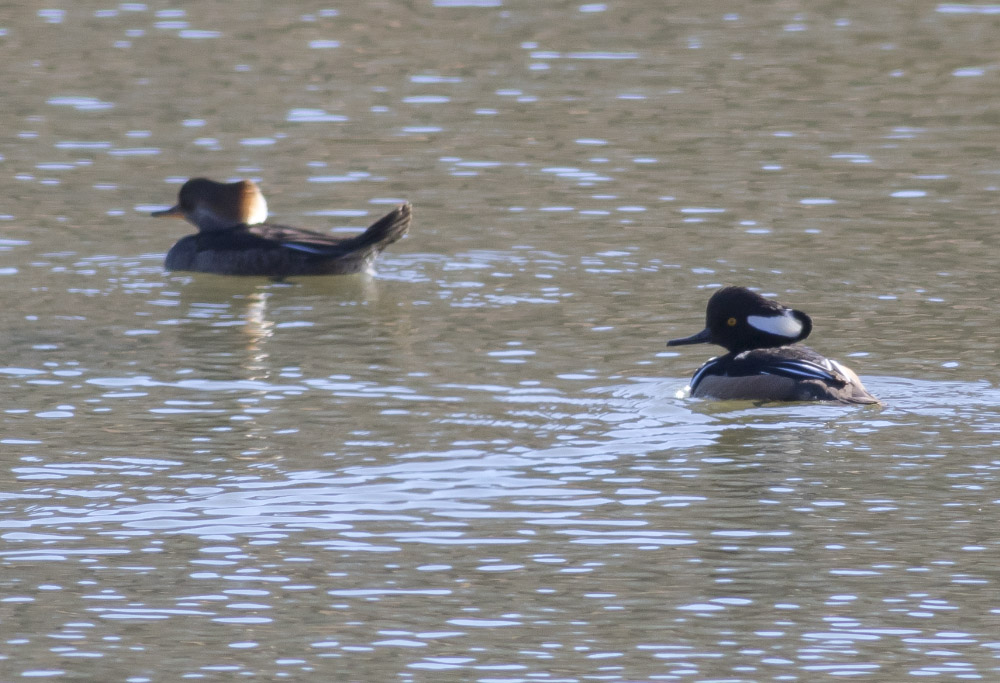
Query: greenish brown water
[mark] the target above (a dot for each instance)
(473, 466)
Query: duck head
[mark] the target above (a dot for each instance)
(738, 319)
(209, 205)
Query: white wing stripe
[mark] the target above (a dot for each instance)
(804, 369)
(307, 248)
(791, 368)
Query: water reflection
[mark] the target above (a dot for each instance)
(422, 531)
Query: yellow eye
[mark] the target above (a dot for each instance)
(731, 322)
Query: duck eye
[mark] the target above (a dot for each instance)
(731, 322)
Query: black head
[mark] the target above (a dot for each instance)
(738, 320)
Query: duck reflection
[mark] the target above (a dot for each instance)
(227, 331)
(240, 352)
(257, 330)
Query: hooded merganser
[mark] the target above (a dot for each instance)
(764, 362)
(233, 239)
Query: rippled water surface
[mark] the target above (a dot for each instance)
(474, 466)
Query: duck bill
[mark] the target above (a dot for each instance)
(172, 212)
(703, 337)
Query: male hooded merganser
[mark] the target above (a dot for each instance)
(233, 239)
(764, 362)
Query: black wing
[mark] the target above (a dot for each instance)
(286, 237)
(377, 236)
(793, 362)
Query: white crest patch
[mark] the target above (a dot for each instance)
(258, 212)
(782, 325)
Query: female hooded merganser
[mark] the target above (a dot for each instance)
(233, 239)
(764, 362)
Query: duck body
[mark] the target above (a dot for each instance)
(234, 239)
(786, 373)
(764, 361)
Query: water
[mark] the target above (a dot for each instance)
(474, 465)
